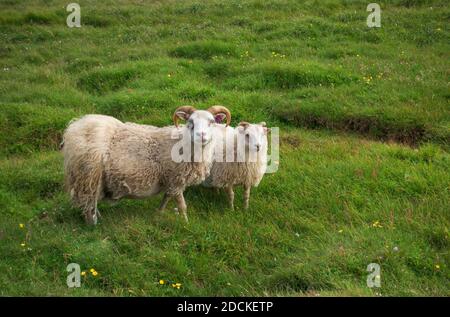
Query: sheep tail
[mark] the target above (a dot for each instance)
(84, 180)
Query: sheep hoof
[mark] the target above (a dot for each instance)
(91, 216)
(91, 219)
(161, 211)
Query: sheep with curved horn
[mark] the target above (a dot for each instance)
(105, 158)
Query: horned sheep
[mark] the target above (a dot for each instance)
(105, 158)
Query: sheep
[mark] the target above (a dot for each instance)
(248, 160)
(105, 159)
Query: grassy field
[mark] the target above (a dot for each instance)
(364, 169)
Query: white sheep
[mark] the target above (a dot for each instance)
(240, 159)
(107, 159)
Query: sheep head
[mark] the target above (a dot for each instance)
(201, 122)
(255, 135)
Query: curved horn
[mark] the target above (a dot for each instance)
(244, 124)
(186, 109)
(221, 109)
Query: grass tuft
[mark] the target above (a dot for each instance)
(204, 50)
(104, 81)
(305, 75)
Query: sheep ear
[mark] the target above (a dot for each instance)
(182, 115)
(219, 117)
(263, 124)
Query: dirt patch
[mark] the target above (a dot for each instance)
(290, 140)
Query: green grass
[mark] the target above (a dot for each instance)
(365, 132)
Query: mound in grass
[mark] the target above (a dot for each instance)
(32, 18)
(36, 18)
(98, 21)
(298, 279)
(204, 50)
(194, 91)
(217, 69)
(407, 128)
(26, 128)
(102, 81)
(155, 106)
(284, 75)
(82, 64)
(306, 74)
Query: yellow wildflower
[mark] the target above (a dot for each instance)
(161, 282)
(21, 225)
(83, 273)
(437, 266)
(22, 245)
(95, 273)
(377, 224)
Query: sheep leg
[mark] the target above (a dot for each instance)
(182, 205)
(165, 200)
(89, 190)
(246, 196)
(230, 194)
(90, 215)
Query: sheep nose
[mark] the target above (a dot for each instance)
(258, 147)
